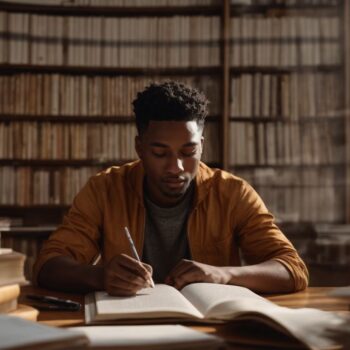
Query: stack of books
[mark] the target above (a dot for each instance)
(11, 277)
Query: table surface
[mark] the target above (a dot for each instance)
(315, 297)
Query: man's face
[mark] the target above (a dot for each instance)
(170, 152)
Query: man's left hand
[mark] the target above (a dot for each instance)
(189, 271)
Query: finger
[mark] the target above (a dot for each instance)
(127, 274)
(148, 268)
(181, 268)
(134, 265)
(150, 271)
(190, 276)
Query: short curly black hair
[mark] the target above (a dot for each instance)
(170, 100)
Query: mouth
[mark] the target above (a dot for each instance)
(175, 183)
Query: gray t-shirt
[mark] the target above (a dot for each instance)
(165, 241)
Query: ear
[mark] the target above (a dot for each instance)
(138, 147)
(202, 143)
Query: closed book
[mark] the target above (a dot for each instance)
(8, 298)
(148, 337)
(11, 267)
(25, 312)
(16, 334)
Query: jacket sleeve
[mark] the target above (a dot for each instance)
(261, 240)
(79, 235)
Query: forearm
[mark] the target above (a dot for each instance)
(65, 274)
(267, 277)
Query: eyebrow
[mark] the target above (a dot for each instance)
(158, 144)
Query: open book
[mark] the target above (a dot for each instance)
(206, 302)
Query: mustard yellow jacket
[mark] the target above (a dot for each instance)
(228, 218)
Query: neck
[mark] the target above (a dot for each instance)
(162, 200)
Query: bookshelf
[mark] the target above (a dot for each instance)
(276, 73)
(288, 103)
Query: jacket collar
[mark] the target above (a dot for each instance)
(135, 175)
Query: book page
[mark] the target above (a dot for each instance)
(310, 326)
(207, 297)
(316, 328)
(161, 301)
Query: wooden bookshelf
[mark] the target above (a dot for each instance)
(221, 71)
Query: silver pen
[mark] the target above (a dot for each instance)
(134, 251)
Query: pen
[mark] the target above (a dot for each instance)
(56, 303)
(134, 251)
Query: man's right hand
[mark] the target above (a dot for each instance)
(124, 276)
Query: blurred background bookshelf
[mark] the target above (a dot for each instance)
(276, 73)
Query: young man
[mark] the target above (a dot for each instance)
(189, 223)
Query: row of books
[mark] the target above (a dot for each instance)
(277, 143)
(285, 41)
(33, 140)
(11, 277)
(31, 186)
(252, 95)
(28, 244)
(301, 194)
(92, 141)
(286, 143)
(56, 94)
(289, 96)
(178, 41)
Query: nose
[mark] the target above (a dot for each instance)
(175, 165)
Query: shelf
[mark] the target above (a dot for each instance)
(43, 230)
(159, 11)
(94, 162)
(293, 186)
(85, 70)
(39, 207)
(235, 71)
(111, 11)
(72, 162)
(283, 166)
(280, 119)
(280, 9)
(171, 71)
(66, 118)
(76, 118)
(62, 162)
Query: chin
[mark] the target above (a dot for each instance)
(175, 193)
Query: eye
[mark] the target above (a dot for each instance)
(189, 152)
(159, 154)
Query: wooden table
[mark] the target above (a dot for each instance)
(315, 297)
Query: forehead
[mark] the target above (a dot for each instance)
(169, 132)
